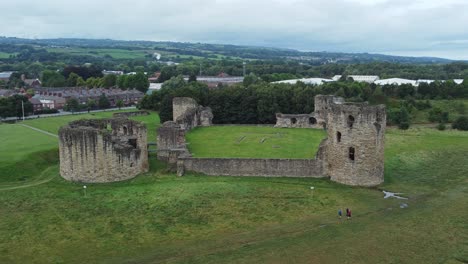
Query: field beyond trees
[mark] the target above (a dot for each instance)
(161, 218)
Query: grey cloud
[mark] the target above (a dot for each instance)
(424, 27)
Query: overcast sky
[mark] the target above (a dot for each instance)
(406, 27)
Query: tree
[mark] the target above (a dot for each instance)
(437, 115)
(72, 80)
(122, 81)
(192, 78)
(120, 103)
(138, 81)
(53, 79)
(103, 102)
(109, 80)
(71, 105)
(404, 119)
(91, 104)
(461, 123)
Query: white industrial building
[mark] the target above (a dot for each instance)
(364, 78)
(396, 81)
(313, 81)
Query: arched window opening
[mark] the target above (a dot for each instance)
(350, 121)
(351, 153)
(293, 120)
(338, 137)
(125, 130)
(312, 121)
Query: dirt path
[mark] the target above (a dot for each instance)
(39, 130)
(43, 178)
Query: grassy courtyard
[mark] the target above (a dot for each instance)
(161, 218)
(254, 142)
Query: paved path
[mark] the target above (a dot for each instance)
(39, 130)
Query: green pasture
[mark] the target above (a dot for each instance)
(5, 55)
(96, 52)
(254, 142)
(453, 107)
(161, 218)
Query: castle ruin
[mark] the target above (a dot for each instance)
(103, 150)
(352, 153)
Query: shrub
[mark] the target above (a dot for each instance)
(404, 125)
(461, 123)
(441, 127)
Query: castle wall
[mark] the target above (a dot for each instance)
(296, 121)
(365, 135)
(352, 154)
(252, 167)
(322, 105)
(180, 105)
(103, 150)
(130, 114)
(170, 136)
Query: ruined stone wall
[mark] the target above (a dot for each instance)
(188, 114)
(180, 105)
(355, 147)
(170, 137)
(296, 121)
(130, 114)
(352, 154)
(104, 150)
(252, 167)
(322, 105)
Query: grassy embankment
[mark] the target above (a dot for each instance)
(158, 217)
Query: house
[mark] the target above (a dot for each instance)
(83, 95)
(154, 78)
(7, 92)
(36, 103)
(5, 76)
(51, 102)
(31, 83)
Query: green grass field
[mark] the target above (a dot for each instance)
(254, 142)
(161, 218)
(5, 55)
(95, 52)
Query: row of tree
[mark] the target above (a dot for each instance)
(256, 101)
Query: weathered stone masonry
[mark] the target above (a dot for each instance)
(103, 150)
(353, 152)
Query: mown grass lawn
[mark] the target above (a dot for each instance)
(254, 142)
(161, 218)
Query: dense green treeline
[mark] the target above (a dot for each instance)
(257, 102)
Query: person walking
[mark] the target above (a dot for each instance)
(347, 213)
(340, 213)
(349, 217)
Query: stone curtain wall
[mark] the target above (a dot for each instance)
(188, 114)
(180, 105)
(170, 137)
(296, 121)
(356, 140)
(352, 154)
(252, 167)
(103, 150)
(130, 114)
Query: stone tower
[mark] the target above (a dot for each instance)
(103, 150)
(355, 147)
(322, 105)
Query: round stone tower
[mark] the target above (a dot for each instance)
(356, 140)
(103, 150)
